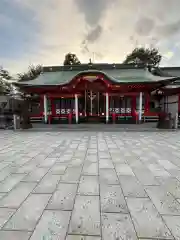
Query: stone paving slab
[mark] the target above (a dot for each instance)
(36, 175)
(89, 185)
(15, 235)
(58, 169)
(147, 220)
(71, 175)
(132, 187)
(63, 198)
(117, 226)
(108, 176)
(112, 199)
(86, 216)
(75, 237)
(26, 218)
(48, 184)
(123, 170)
(145, 176)
(90, 168)
(17, 195)
(173, 222)
(164, 202)
(171, 185)
(53, 225)
(2, 195)
(10, 182)
(5, 214)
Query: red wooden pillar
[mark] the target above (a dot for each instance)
(70, 118)
(42, 106)
(49, 111)
(114, 117)
(133, 106)
(179, 103)
(53, 108)
(109, 106)
(105, 104)
(147, 100)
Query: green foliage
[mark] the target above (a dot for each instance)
(144, 56)
(5, 84)
(31, 74)
(71, 59)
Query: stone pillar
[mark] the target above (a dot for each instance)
(107, 107)
(173, 102)
(16, 121)
(176, 121)
(140, 107)
(76, 108)
(45, 109)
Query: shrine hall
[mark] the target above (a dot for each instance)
(107, 93)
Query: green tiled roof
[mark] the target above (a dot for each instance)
(121, 76)
(170, 71)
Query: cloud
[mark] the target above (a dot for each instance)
(91, 37)
(4, 20)
(94, 34)
(144, 26)
(93, 10)
(169, 30)
(42, 32)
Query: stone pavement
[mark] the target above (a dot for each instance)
(89, 185)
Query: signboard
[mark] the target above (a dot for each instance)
(91, 77)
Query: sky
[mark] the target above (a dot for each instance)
(43, 31)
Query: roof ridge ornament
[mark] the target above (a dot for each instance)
(90, 63)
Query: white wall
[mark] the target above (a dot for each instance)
(171, 104)
(4, 99)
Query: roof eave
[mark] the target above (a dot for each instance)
(164, 81)
(169, 80)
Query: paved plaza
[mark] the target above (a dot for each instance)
(89, 185)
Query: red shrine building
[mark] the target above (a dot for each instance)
(109, 93)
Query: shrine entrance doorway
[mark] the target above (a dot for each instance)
(93, 105)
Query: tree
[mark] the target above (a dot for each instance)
(144, 56)
(71, 59)
(5, 82)
(31, 74)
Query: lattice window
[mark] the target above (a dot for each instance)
(117, 110)
(128, 110)
(63, 111)
(91, 95)
(57, 111)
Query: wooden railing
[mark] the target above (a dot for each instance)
(151, 118)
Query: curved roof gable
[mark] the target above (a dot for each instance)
(115, 76)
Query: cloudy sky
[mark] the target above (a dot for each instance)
(43, 31)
